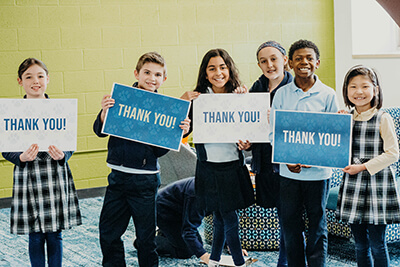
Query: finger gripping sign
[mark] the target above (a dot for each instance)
(315, 139)
(146, 117)
(45, 122)
(227, 118)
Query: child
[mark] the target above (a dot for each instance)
(302, 186)
(222, 180)
(45, 178)
(272, 60)
(134, 178)
(368, 199)
(178, 217)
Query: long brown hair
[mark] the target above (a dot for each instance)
(203, 83)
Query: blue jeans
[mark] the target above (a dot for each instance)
(369, 237)
(295, 197)
(54, 249)
(226, 226)
(129, 195)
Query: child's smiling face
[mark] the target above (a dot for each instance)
(217, 73)
(360, 92)
(272, 62)
(34, 80)
(150, 77)
(304, 62)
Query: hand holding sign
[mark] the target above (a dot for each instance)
(296, 168)
(56, 153)
(30, 154)
(106, 103)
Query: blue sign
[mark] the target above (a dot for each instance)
(315, 139)
(146, 117)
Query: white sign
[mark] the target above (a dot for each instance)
(228, 118)
(45, 122)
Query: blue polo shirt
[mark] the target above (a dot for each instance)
(319, 98)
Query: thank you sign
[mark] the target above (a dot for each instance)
(45, 122)
(315, 139)
(146, 117)
(227, 118)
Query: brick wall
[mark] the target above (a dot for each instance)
(88, 45)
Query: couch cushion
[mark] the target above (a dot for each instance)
(332, 198)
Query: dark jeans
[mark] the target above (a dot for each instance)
(295, 196)
(226, 226)
(129, 195)
(54, 249)
(369, 237)
(282, 259)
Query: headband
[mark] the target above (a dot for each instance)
(271, 44)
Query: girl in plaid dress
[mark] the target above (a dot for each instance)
(368, 199)
(44, 196)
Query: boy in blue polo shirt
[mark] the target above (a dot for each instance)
(134, 178)
(304, 186)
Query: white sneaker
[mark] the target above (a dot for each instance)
(212, 263)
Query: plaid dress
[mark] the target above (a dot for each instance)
(365, 198)
(44, 197)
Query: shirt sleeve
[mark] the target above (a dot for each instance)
(390, 146)
(276, 105)
(13, 157)
(192, 219)
(67, 156)
(332, 104)
(98, 125)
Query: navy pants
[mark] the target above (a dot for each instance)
(37, 253)
(370, 238)
(295, 197)
(226, 227)
(129, 195)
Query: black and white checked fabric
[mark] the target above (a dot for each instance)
(44, 197)
(365, 198)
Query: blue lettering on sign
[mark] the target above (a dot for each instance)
(26, 124)
(219, 117)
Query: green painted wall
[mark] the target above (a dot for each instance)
(87, 45)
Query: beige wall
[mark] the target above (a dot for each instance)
(387, 65)
(87, 45)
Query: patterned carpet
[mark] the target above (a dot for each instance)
(81, 246)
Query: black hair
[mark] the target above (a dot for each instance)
(303, 44)
(377, 100)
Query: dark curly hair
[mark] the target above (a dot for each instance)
(203, 83)
(302, 44)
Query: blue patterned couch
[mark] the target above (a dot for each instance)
(259, 227)
(339, 228)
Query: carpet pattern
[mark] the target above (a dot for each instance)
(81, 245)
